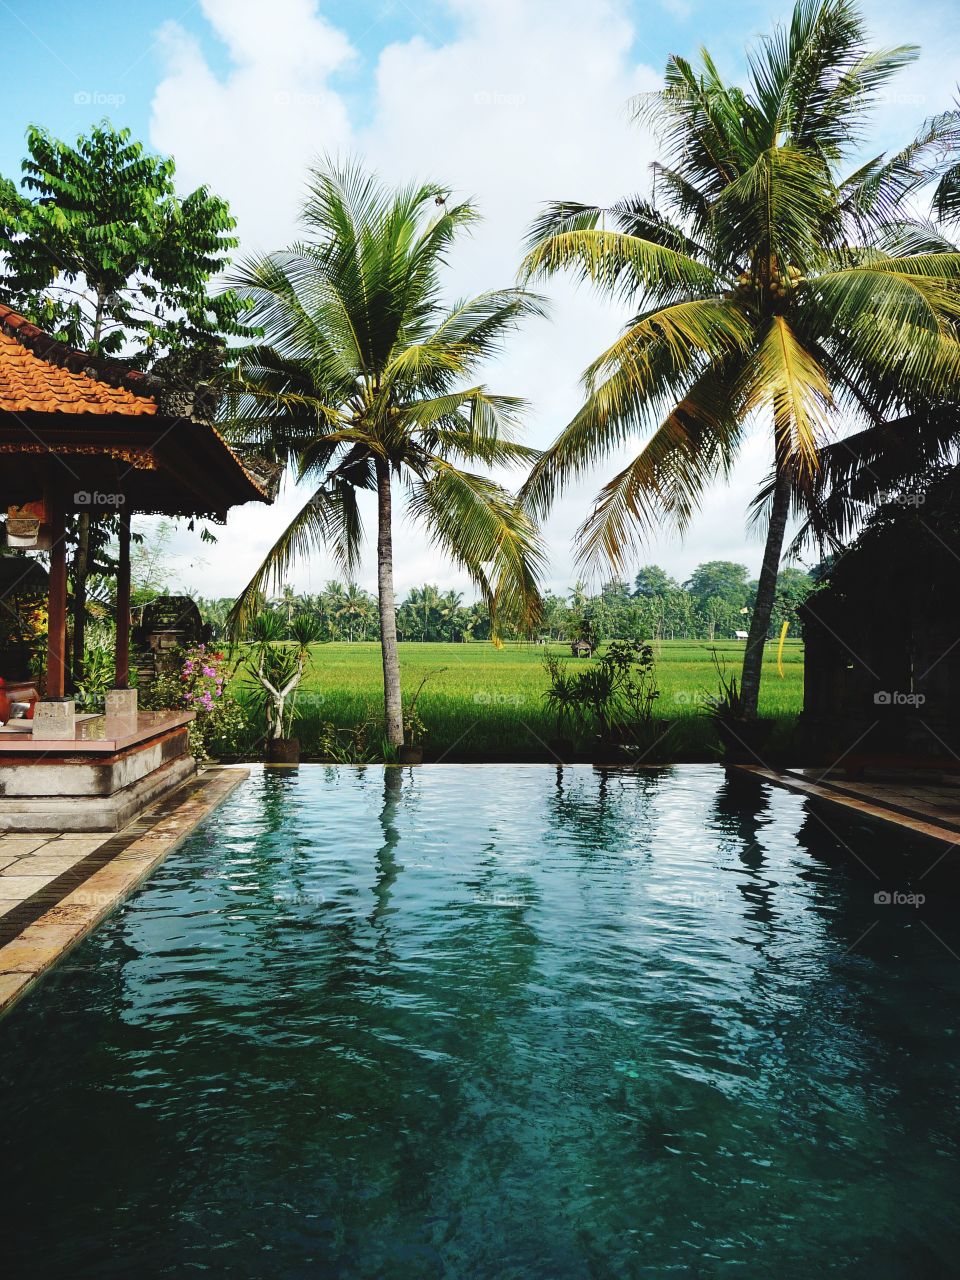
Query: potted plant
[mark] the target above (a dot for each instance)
(414, 730)
(634, 698)
(276, 657)
(612, 698)
(743, 737)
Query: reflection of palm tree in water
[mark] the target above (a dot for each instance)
(742, 810)
(387, 867)
(593, 807)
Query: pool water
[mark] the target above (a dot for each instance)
(505, 1022)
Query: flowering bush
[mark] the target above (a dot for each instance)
(203, 679)
(195, 680)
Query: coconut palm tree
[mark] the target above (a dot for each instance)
(769, 285)
(363, 381)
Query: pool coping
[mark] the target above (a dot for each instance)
(910, 817)
(42, 928)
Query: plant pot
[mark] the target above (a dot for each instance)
(608, 753)
(283, 751)
(650, 741)
(22, 531)
(410, 755)
(744, 740)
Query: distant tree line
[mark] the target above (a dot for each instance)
(712, 604)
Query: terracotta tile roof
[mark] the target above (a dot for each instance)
(38, 374)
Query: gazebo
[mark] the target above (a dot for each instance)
(84, 434)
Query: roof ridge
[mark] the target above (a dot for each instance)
(115, 373)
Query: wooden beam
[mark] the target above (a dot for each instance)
(122, 679)
(57, 602)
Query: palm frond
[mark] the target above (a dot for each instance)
(480, 525)
(329, 518)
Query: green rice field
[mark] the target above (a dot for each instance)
(484, 703)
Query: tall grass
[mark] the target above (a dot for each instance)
(483, 703)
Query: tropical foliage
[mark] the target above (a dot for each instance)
(711, 604)
(769, 284)
(275, 656)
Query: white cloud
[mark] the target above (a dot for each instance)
(524, 103)
(252, 135)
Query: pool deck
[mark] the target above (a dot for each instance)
(928, 807)
(55, 888)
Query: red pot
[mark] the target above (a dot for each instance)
(4, 702)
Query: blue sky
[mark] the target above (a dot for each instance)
(510, 101)
(68, 64)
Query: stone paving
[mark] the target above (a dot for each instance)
(55, 888)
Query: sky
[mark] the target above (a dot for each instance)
(509, 102)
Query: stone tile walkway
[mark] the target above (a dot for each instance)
(55, 888)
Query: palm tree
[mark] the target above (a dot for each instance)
(353, 606)
(424, 603)
(448, 608)
(768, 286)
(363, 379)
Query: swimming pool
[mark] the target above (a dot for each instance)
(491, 1021)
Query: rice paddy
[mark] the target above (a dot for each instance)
(483, 703)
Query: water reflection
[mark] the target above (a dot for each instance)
(473, 1023)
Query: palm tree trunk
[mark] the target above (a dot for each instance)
(392, 705)
(766, 593)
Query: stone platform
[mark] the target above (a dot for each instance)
(99, 779)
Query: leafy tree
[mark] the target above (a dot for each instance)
(766, 281)
(653, 581)
(793, 587)
(364, 379)
(720, 579)
(101, 250)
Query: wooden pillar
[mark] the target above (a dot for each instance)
(122, 680)
(57, 602)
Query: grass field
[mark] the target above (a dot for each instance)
(484, 703)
